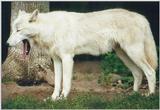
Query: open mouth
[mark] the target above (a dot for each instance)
(26, 48)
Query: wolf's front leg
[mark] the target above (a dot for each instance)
(67, 62)
(58, 78)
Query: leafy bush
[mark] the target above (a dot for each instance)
(112, 64)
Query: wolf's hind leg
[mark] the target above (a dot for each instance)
(136, 71)
(136, 53)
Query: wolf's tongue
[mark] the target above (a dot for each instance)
(25, 49)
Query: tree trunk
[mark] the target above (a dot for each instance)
(38, 66)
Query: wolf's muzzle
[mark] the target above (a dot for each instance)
(7, 44)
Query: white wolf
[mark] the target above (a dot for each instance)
(62, 35)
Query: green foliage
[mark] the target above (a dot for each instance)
(104, 80)
(86, 101)
(127, 81)
(112, 64)
(135, 101)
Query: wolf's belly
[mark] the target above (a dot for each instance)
(94, 48)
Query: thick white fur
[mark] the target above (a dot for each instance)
(63, 35)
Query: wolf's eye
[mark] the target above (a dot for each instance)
(19, 30)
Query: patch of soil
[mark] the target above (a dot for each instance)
(82, 82)
(87, 67)
(11, 90)
(40, 92)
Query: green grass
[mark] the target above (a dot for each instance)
(86, 101)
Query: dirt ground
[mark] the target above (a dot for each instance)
(85, 79)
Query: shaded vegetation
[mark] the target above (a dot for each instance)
(112, 64)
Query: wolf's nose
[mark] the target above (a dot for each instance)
(7, 44)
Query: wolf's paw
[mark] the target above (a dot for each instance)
(62, 96)
(55, 98)
(52, 98)
(147, 94)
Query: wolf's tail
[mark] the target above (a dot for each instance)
(150, 48)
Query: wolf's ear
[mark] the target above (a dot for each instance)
(34, 16)
(21, 12)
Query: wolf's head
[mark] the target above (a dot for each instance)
(23, 28)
